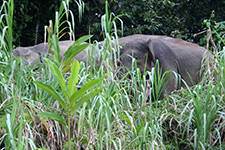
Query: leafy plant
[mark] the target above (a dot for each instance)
(213, 39)
(78, 46)
(60, 29)
(72, 98)
(123, 116)
(65, 62)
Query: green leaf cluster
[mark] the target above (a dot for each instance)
(72, 98)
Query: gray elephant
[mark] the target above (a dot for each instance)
(176, 55)
(32, 54)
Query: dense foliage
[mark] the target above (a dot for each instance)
(30, 17)
(178, 18)
(45, 106)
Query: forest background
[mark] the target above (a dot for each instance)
(186, 19)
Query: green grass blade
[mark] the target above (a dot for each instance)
(84, 99)
(53, 116)
(78, 94)
(58, 74)
(51, 91)
(10, 131)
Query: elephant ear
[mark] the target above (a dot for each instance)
(159, 49)
(151, 49)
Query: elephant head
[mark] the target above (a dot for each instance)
(32, 54)
(139, 51)
(178, 56)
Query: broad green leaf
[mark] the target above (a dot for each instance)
(75, 48)
(68, 66)
(84, 99)
(58, 74)
(53, 116)
(51, 91)
(83, 39)
(56, 49)
(73, 51)
(78, 94)
(73, 79)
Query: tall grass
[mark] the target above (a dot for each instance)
(122, 116)
(6, 23)
(9, 90)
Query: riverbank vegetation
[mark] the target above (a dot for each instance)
(66, 104)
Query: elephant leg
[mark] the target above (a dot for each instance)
(164, 81)
(173, 82)
(171, 79)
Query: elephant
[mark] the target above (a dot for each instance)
(176, 55)
(32, 54)
(179, 56)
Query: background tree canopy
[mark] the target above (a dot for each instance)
(177, 18)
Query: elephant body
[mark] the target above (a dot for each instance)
(179, 56)
(176, 55)
(32, 54)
